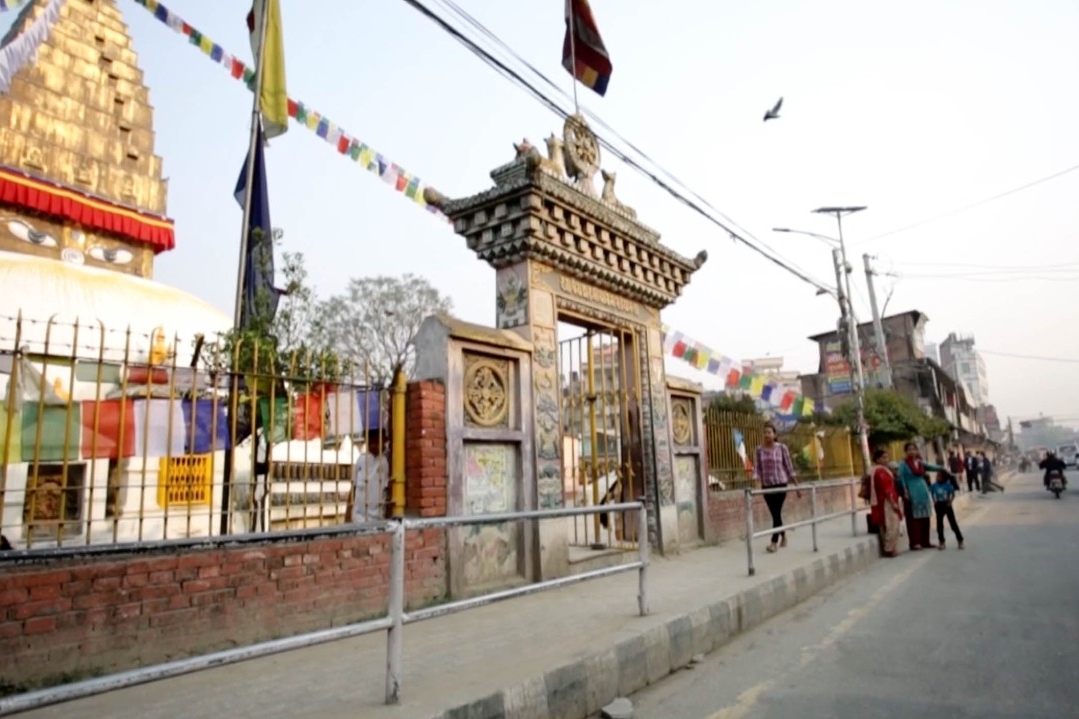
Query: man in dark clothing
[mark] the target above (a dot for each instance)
(988, 484)
(1050, 464)
(955, 466)
(973, 470)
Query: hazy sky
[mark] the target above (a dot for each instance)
(914, 109)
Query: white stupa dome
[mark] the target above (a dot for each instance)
(131, 310)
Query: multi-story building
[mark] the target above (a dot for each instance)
(960, 360)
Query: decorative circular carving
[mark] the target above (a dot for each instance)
(486, 394)
(581, 148)
(75, 257)
(681, 426)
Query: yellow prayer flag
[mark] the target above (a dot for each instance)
(808, 407)
(273, 94)
(757, 386)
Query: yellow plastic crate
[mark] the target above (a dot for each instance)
(185, 481)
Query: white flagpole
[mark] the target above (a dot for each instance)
(241, 271)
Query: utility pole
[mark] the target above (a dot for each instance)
(878, 326)
(843, 287)
(847, 324)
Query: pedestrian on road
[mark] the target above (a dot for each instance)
(773, 468)
(917, 500)
(886, 509)
(988, 484)
(973, 470)
(956, 467)
(943, 494)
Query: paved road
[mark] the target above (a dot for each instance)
(989, 632)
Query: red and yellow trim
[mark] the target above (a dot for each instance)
(18, 188)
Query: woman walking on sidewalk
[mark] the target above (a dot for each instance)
(772, 466)
(886, 511)
(917, 502)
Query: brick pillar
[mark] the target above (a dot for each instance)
(425, 449)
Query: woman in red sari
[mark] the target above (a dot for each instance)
(886, 509)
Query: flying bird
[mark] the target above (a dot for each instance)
(773, 114)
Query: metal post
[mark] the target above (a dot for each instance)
(749, 531)
(813, 514)
(878, 326)
(396, 610)
(642, 555)
(855, 351)
(397, 444)
(854, 507)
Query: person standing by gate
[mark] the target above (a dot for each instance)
(774, 469)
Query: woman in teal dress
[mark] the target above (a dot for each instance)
(917, 498)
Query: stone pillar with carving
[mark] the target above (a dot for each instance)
(565, 252)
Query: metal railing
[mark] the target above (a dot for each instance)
(109, 436)
(813, 520)
(393, 623)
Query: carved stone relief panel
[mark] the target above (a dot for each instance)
(488, 391)
(548, 419)
(661, 430)
(512, 301)
(682, 423)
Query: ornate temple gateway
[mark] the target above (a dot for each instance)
(569, 253)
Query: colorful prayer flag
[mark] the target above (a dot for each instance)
(679, 350)
(274, 418)
(788, 401)
(58, 426)
(159, 428)
(756, 386)
(766, 393)
(308, 410)
(807, 407)
(583, 53)
(260, 297)
(108, 429)
(273, 95)
(206, 426)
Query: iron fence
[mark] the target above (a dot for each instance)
(819, 453)
(112, 437)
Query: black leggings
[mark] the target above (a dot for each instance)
(775, 502)
(944, 509)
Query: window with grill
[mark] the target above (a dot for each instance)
(185, 481)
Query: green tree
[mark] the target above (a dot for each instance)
(891, 417)
(737, 404)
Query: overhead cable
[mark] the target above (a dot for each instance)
(552, 105)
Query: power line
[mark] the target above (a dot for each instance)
(552, 105)
(1067, 360)
(971, 206)
(980, 278)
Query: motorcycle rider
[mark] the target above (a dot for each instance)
(1053, 463)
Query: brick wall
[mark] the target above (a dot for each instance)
(85, 615)
(727, 513)
(425, 449)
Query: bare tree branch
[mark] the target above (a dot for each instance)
(374, 322)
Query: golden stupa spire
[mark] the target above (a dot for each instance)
(77, 124)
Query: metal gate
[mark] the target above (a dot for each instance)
(602, 459)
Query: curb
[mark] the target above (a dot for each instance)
(581, 688)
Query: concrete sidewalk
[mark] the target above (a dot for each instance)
(563, 653)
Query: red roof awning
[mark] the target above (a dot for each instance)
(22, 190)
